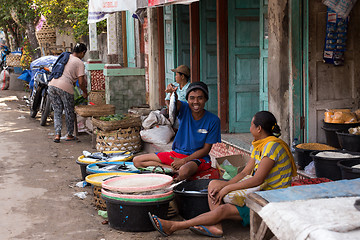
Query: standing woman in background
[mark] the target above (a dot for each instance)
(61, 89)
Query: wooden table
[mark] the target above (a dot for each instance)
(258, 228)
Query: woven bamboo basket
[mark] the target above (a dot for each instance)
(99, 203)
(123, 139)
(46, 35)
(95, 110)
(13, 60)
(97, 97)
(131, 120)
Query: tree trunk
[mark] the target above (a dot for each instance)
(7, 40)
(13, 28)
(34, 44)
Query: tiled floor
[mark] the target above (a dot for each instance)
(240, 140)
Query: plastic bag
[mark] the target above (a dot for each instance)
(159, 134)
(230, 170)
(155, 118)
(81, 184)
(4, 79)
(81, 195)
(310, 168)
(342, 7)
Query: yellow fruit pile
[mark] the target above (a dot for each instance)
(342, 116)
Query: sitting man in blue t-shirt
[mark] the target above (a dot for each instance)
(198, 131)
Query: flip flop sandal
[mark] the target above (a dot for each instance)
(206, 232)
(158, 228)
(71, 139)
(56, 140)
(161, 169)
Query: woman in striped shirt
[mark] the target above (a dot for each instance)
(271, 167)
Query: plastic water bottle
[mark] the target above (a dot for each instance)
(293, 145)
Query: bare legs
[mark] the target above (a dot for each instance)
(147, 160)
(151, 159)
(211, 220)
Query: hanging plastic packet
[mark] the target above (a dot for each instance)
(335, 40)
(342, 8)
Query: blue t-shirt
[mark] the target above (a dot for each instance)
(193, 134)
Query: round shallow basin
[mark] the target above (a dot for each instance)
(138, 183)
(111, 167)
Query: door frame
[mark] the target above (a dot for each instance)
(298, 53)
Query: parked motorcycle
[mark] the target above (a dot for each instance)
(39, 98)
(4, 51)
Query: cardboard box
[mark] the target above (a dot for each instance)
(238, 161)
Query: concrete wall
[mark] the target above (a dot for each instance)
(102, 47)
(278, 65)
(125, 91)
(67, 38)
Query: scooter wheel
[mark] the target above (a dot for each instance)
(46, 111)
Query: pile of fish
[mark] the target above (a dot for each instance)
(108, 157)
(115, 167)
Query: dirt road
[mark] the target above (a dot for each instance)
(37, 183)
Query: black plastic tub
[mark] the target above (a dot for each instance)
(192, 198)
(331, 137)
(327, 167)
(303, 157)
(303, 150)
(347, 172)
(83, 169)
(350, 142)
(340, 126)
(133, 216)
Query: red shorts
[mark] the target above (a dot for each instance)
(165, 159)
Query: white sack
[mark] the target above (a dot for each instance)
(155, 118)
(159, 134)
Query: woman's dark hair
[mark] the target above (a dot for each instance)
(79, 48)
(268, 122)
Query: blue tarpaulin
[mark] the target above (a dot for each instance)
(343, 188)
(43, 61)
(25, 76)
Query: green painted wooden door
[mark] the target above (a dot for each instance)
(130, 39)
(169, 44)
(264, 42)
(208, 51)
(243, 63)
(182, 35)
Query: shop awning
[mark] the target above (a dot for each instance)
(153, 3)
(98, 9)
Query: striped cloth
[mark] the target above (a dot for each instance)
(280, 174)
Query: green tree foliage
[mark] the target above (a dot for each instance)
(18, 18)
(65, 14)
